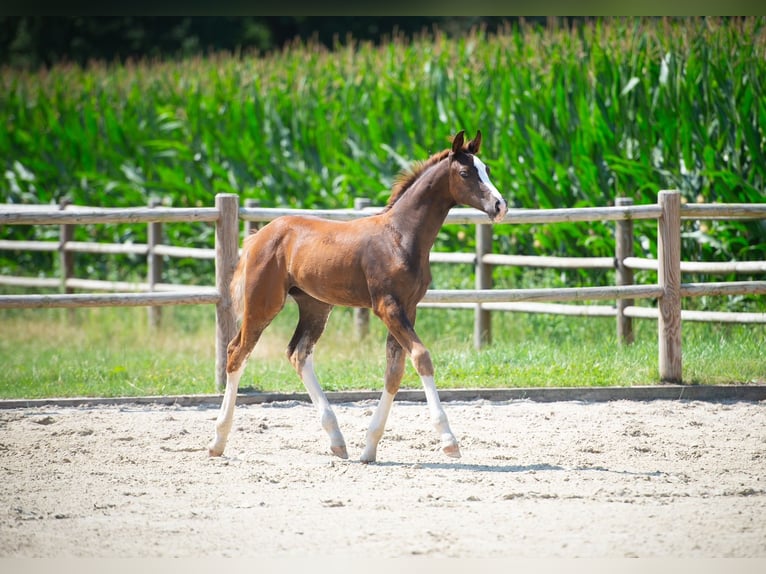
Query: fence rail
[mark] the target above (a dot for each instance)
(227, 214)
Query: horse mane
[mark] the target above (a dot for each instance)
(408, 176)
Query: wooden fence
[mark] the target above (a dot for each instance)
(227, 214)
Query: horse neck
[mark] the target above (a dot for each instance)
(421, 210)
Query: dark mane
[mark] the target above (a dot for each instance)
(408, 176)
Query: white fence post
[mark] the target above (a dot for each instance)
(226, 255)
(669, 279)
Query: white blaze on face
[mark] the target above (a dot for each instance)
(484, 178)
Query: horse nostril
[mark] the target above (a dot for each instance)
(500, 209)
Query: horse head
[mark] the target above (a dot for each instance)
(469, 178)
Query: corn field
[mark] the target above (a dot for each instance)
(570, 117)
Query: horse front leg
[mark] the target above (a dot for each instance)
(421, 359)
(401, 327)
(395, 358)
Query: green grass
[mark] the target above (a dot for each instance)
(113, 352)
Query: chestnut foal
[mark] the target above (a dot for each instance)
(379, 262)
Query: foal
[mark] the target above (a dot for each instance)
(379, 262)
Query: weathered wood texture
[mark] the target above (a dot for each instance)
(624, 275)
(227, 253)
(669, 280)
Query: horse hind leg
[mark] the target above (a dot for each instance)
(311, 324)
(238, 351)
(225, 417)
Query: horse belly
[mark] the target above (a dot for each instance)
(326, 264)
(336, 285)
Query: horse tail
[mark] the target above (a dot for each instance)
(238, 281)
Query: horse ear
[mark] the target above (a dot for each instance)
(457, 141)
(475, 143)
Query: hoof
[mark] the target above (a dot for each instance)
(452, 450)
(212, 451)
(367, 458)
(340, 451)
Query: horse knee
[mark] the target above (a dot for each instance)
(234, 361)
(237, 356)
(240, 347)
(297, 356)
(421, 360)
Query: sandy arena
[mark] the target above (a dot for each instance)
(565, 479)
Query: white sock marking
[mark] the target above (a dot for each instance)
(327, 417)
(226, 414)
(438, 416)
(377, 426)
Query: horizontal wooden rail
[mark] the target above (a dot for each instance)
(43, 282)
(723, 211)
(712, 267)
(190, 252)
(11, 245)
(706, 316)
(98, 285)
(106, 248)
(549, 261)
(108, 300)
(560, 294)
(605, 311)
(457, 257)
(108, 215)
(732, 288)
(581, 214)
(44, 215)
(532, 307)
(467, 215)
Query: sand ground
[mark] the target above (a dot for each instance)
(565, 479)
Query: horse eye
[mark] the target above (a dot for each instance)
(463, 173)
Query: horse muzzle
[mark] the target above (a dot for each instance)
(498, 211)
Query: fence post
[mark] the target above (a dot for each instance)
(482, 322)
(251, 226)
(669, 279)
(226, 255)
(624, 276)
(362, 315)
(66, 258)
(153, 263)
